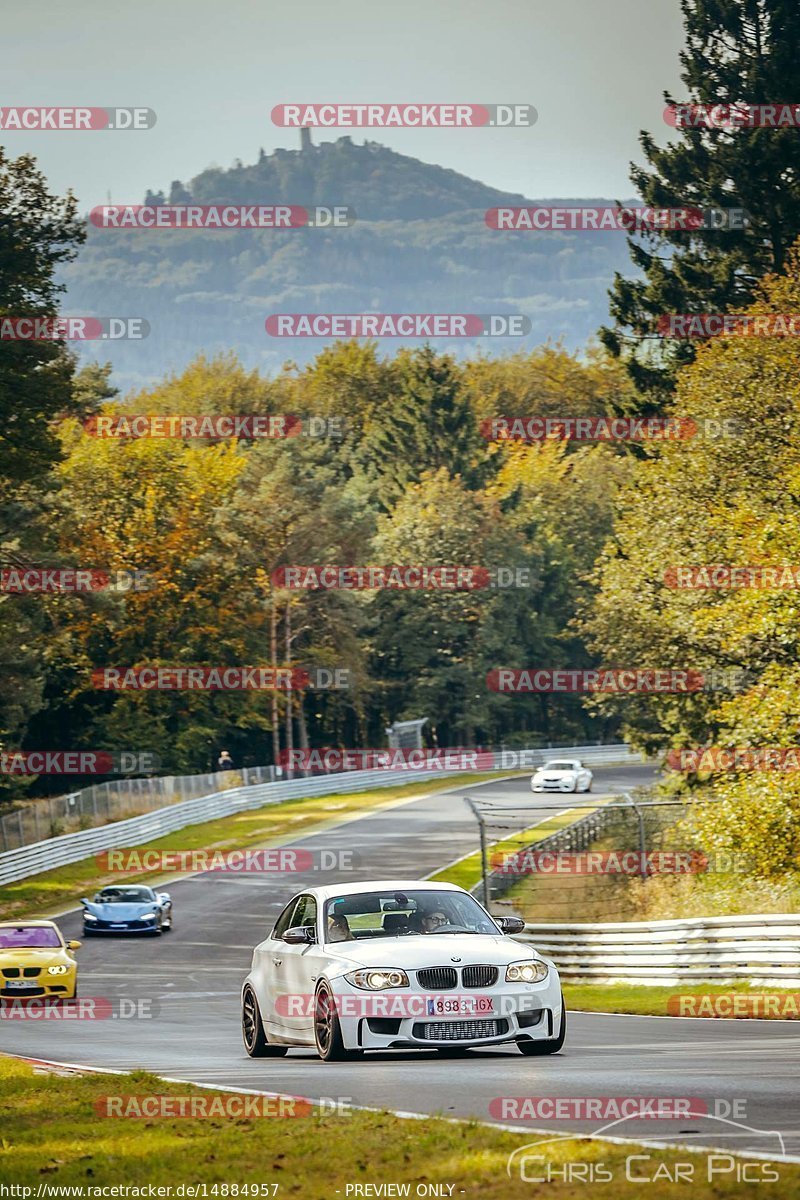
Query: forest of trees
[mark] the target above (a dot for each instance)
(412, 480)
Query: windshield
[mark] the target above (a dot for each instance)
(403, 914)
(560, 766)
(29, 936)
(125, 895)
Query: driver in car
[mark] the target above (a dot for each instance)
(339, 928)
(434, 920)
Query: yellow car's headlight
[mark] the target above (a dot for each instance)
(526, 972)
(378, 981)
(60, 969)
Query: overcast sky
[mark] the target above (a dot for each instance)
(213, 71)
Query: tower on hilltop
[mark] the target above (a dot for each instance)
(305, 139)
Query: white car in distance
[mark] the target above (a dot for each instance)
(562, 775)
(393, 965)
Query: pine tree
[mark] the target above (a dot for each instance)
(429, 425)
(738, 51)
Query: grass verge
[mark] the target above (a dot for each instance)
(50, 891)
(769, 1003)
(52, 1138)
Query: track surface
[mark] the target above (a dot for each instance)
(195, 974)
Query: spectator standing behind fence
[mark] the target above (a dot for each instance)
(225, 762)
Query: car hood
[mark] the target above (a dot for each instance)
(557, 773)
(28, 956)
(430, 950)
(120, 912)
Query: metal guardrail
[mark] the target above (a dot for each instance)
(761, 948)
(68, 848)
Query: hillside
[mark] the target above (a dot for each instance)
(419, 244)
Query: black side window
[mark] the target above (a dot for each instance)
(284, 921)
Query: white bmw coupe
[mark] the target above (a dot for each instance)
(562, 775)
(394, 965)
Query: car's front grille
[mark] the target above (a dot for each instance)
(479, 976)
(438, 979)
(11, 972)
(458, 1031)
(33, 990)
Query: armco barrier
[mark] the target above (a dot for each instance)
(763, 949)
(72, 847)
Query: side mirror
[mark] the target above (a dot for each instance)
(164, 897)
(73, 945)
(83, 900)
(511, 924)
(299, 934)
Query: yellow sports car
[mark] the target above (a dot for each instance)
(36, 961)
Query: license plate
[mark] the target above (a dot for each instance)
(20, 985)
(459, 1006)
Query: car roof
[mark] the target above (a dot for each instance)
(379, 885)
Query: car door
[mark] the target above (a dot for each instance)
(300, 966)
(269, 966)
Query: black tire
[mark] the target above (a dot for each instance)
(327, 1028)
(253, 1036)
(552, 1046)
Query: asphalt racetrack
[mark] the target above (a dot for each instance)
(194, 975)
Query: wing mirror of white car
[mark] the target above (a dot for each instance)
(299, 934)
(511, 924)
(164, 897)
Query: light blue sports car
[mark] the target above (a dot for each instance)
(127, 908)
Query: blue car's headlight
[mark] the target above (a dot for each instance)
(148, 916)
(87, 916)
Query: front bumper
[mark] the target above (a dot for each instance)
(119, 927)
(39, 986)
(521, 1011)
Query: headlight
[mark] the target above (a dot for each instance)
(148, 916)
(59, 970)
(89, 917)
(526, 972)
(377, 981)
